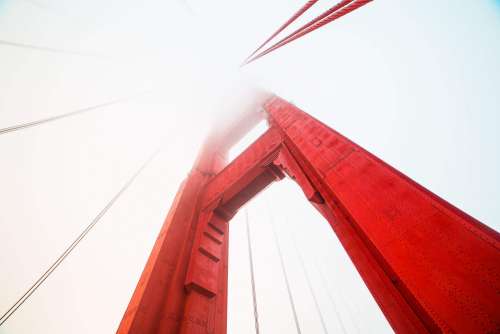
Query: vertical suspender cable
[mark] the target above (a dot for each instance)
(290, 296)
(350, 311)
(316, 304)
(72, 246)
(332, 301)
(254, 297)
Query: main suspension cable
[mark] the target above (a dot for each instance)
(254, 296)
(308, 24)
(68, 114)
(342, 8)
(306, 275)
(285, 275)
(295, 16)
(72, 246)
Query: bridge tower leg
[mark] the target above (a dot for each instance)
(430, 267)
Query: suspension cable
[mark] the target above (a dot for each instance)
(330, 15)
(285, 275)
(254, 297)
(68, 114)
(310, 23)
(332, 301)
(72, 246)
(295, 16)
(306, 275)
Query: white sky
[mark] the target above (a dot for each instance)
(414, 82)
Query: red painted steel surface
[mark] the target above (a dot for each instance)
(430, 267)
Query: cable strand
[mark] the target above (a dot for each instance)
(332, 301)
(308, 280)
(72, 246)
(285, 275)
(68, 114)
(295, 16)
(337, 11)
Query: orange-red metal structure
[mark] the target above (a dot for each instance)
(430, 267)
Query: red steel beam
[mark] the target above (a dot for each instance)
(430, 267)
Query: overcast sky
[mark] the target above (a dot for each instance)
(414, 82)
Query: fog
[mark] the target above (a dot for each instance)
(414, 83)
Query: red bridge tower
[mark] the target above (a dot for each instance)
(430, 267)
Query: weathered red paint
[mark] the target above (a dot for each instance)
(430, 267)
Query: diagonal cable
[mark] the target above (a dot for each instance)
(72, 246)
(68, 114)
